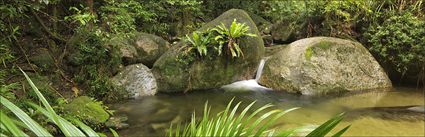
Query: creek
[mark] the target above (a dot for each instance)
(381, 112)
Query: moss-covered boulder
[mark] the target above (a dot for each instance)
(173, 75)
(128, 52)
(43, 59)
(87, 109)
(137, 80)
(140, 48)
(287, 31)
(322, 65)
(149, 48)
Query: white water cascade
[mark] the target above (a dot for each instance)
(248, 85)
(260, 70)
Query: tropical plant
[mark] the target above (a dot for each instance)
(229, 123)
(399, 41)
(11, 127)
(200, 42)
(231, 36)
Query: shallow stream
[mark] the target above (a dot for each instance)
(371, 113)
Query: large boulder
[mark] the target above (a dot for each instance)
(140, 48)
(322, 65)
(137, 80)
(214, 71)
(149, 47)
(287, 31)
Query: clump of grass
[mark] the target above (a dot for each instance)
(11, 127)
(229, 123)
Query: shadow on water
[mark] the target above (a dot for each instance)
(373, 112)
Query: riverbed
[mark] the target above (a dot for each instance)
(380, 112)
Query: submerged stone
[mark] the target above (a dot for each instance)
(322, 65)
(396, 113)
(214, 71)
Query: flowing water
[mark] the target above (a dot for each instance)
(260, 69)
(371, 113)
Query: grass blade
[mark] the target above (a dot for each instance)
(339, 133)
(10, 126)
(88, 130)
(47, 105)
(31, 124)
(271, 121)
(68, 126)
(326, 127)
(114, 133)
(286, 133)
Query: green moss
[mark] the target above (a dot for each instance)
(308, 53)
(324, 45)
(88, 110)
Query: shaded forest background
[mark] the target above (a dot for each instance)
(74, 43)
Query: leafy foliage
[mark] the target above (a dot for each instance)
(10, 127)
(121, 16)
(213, 40)
(200, 42)
(230, 37)
(230, 123)
(399, 40)
(96, 62)
(83, 17)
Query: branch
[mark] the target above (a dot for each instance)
(53, 35)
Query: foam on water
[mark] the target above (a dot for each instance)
(248, 85)
(245, 85)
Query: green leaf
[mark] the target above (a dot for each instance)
(88, 130)
(11, 127)
(114, 133)
(31, 124)
(68, 126)
(326, 127)
(342, 131)
(46, 104)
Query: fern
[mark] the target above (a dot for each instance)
(231, 36)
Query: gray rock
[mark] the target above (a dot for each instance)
(287, 31)
(140, 48)
(128, 52)
(137, 80)
(322, 65)
(149, 48)
(214, 71)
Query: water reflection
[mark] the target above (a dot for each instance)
(374, 112)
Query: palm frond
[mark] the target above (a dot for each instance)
(231, 123)
(26, 122)
(10, 126)
(31, 124)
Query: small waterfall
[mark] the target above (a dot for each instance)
(260, 69)
(248, 85)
